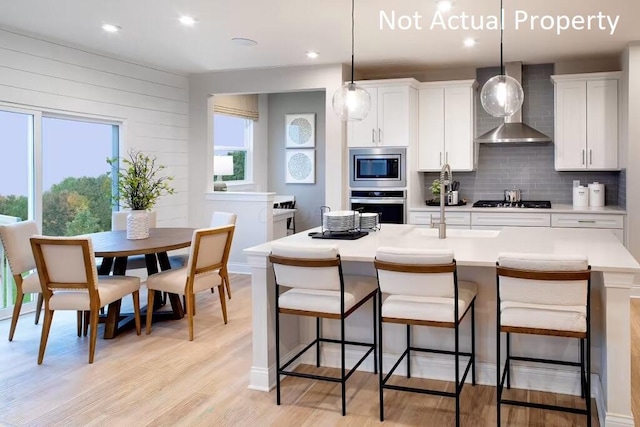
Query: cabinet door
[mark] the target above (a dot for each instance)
(365, 132)
(458, 128)
(570, 130)
(430, 129)
(393, 116)
(602, 124)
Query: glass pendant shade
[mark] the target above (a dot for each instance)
(351, 102)
(502, 96)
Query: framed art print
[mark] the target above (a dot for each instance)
(301, 167)
(300, 130)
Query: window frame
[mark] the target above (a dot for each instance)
(248, 149)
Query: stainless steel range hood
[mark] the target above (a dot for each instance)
(513, 130)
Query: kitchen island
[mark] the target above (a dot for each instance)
(476, 252)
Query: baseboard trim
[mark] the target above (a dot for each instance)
(238, 268)
(635, 292)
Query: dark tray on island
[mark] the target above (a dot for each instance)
(436, 202)
(338, 235)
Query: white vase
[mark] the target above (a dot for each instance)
(137, 225)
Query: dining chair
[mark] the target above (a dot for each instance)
(218, 219)
(316, 287)
(15, 241)
(549, 295)
(291, 222)
(420, 287)
(208, 255)
(67, 270)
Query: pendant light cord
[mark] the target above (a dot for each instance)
(501, 36)
(353, 24)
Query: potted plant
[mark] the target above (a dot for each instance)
(140, 184)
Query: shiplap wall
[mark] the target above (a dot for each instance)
(152, 104)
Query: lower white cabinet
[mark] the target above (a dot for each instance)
(613, 223)
(517, 219)
(461, 220)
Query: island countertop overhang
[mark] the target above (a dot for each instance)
(605, 252)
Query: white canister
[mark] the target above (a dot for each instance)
(580, 197)
(596, 194)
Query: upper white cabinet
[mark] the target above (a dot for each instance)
(446, 125)
(586, 121)
(392, 115)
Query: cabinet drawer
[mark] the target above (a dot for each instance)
(453, 218)
(511, 219)
(587, 221)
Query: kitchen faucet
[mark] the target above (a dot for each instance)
(442, 225)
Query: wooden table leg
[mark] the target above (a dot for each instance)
(113, 312)
(176, 304)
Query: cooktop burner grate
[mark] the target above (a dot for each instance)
(530, 204)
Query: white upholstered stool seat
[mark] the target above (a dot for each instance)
(420, 287)
(356, 288)
(430, 309)
(317, 288)
(544, 294)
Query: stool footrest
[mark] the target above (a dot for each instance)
(419, 390)
(538, 360)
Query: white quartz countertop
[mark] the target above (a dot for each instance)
(555, 208)
(480, 247)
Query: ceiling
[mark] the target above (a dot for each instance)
(286, 29)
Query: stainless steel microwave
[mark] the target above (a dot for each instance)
(377, 167)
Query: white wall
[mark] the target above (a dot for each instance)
(327, 78)
(151, 103)
(631, 143)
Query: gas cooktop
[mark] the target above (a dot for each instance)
(535, 204)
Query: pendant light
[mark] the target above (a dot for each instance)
(501, 95)
(351, 102)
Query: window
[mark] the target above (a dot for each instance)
(54, 170)
(233, 136)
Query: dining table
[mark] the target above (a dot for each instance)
(115, 249)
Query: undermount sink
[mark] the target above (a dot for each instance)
(459, 233)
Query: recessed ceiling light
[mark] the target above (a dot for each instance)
(312, 54)
(111, 28)
(187, 20)
(470, 42)
(444, 5)
(241, 41)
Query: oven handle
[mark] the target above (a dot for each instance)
(380, 201)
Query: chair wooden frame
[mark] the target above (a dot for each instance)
(344, 375)
(91, 286)
(455, 325)
(17, 306)
(190, 299)
(585, 368)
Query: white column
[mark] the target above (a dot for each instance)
(262, 376)
(616, 352)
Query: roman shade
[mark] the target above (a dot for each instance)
(243, 106)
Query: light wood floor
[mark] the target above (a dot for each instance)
(163, 379)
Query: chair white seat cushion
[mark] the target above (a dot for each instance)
(31, 284)
(431, 309)
(175, 281)
(571, 318)
(110, 289)
(328, 301)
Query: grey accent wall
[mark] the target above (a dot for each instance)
(529, 167)
(309, 197)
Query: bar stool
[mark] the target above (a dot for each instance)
(422, 287)
(319, 289)
(547, 295)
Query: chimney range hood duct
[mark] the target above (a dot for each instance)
(513, 130)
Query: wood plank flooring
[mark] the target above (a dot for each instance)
(162, 379)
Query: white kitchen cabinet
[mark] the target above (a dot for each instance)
(586, 121)
(391, 120)
(446, 125)
(613, 223)
(507, 219)
(459, 220)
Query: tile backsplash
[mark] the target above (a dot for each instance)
(528, 167)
